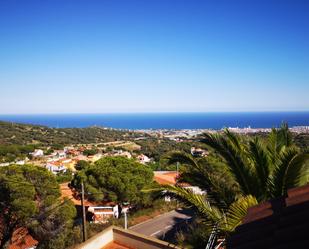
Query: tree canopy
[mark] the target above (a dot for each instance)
(21, 134)
(115, 179)
(82, 164)
(29, 197)
(90, 152)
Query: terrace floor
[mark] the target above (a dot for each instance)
(114, 245)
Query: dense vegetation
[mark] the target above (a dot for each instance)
(156, 148)
(302, 141)
(29, 198)
(22, 134)
(10, 153)
(116, 179)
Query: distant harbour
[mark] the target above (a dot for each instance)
(136, 121)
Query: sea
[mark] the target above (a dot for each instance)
(142, 121)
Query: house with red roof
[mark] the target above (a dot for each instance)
(21, 239)
(97, 212)
(171, 178)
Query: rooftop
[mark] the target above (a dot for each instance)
(168, 178)
(22, 239)
(118, 238)
(165, 177)
(282, 223)
(67, 192)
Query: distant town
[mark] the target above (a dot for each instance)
(178, 135)
(58, 161)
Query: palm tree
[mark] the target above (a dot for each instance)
(249, 171)
(263, 169)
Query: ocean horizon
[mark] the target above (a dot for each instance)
(140, 121)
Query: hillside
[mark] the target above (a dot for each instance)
(13, 133)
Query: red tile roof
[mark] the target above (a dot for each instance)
(281, 223)
(67, 192)
(22, 239)
(166, 177)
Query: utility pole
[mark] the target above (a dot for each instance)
(84, 213)
(125, 221)
(125, 211)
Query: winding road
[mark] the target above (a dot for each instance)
(165, 226)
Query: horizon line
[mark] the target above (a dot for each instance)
(153, 112)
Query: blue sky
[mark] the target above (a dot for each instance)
(76, 56)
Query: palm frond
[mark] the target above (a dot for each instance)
(296, 171)
(284, 135)
(237, 211)
(273, 145)
(202, 203)
(233, 139)
(289, 172)
(181, 157)
(261, 164)
(212, 215)
(196, 178)
(234, 161)
(278, 140)
(200, 173)
(223, 192)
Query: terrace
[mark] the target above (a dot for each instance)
(118, 238)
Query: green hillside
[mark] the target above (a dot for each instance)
(13, 133)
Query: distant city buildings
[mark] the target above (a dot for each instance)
(181, 135)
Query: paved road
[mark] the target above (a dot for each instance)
(165, 226)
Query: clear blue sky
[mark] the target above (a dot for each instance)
(64, 56)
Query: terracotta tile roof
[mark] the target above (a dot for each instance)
(166, 177)
(281, 223)
(22, 240)
(67, 192)
(169, 178)
(56, 163)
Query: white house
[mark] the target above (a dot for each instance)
(4, 164)
(143, 159)
(101, 214)
(59, 154)
(20, 162)
(37, 153)
(56, 167)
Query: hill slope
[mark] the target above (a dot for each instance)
(13, 133)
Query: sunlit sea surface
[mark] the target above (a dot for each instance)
(166, 120)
